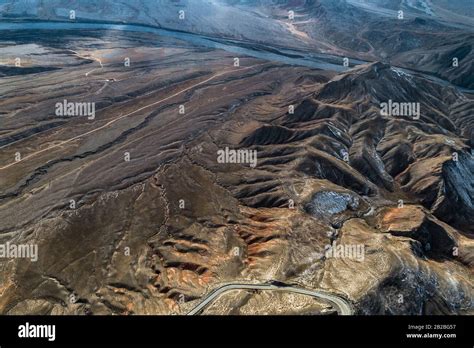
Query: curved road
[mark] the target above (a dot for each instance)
(342, 306)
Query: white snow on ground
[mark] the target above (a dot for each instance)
(382, 8)
(406, 76)
(400, 73)
(420, 5)
(211, 17)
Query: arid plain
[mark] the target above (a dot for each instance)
(133, 213)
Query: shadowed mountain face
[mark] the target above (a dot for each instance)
(415, 34)
(198, 169)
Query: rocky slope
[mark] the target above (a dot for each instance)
(156, 233)
(438, 39)
(134, 212)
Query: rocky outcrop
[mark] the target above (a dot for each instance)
(135, 214)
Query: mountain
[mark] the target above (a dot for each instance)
(428, 38)
(196, 172)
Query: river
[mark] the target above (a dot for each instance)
(287, 56)
(256, 50)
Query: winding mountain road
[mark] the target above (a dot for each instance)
(342, 306)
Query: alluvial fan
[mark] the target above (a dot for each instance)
(277, 157)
